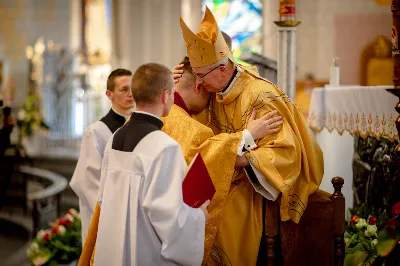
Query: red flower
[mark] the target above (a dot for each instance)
(63, 221)
(47, 236)
(396, 209)
(372, 220)
(354, 219)
(392, 223)
(54, 230)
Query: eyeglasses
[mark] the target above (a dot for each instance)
(201, 77)
(124, 90)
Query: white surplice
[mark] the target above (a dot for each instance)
(85, 181)
(143, 219)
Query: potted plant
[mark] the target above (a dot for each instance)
(59, 245)
(30, 122)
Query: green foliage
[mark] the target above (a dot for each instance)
(60, 244)
(30, 119)
(369, 235)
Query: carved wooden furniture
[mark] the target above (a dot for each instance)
(319, 237)
(376, 63)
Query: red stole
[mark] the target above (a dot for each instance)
(178, 100)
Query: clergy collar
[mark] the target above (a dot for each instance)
(235, 76)
(178, 100)
(117, 116)
(124, 116)
(145, 116)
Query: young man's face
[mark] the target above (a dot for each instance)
(122, 95)
(200, 98)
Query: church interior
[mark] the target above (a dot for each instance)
(339, 61)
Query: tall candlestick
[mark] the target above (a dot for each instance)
(287, 47)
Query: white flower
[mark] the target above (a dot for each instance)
(34, 246)
(40, 260)
(69, 217)
(361, 223)
(61, 230)
(40, 235)
(371, 230)
(33, 249)
(374, 243)
(21, 115)
(74, 212)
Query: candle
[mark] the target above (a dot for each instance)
(287, 10)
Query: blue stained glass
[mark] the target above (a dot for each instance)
(242, 20)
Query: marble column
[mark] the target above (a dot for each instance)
(287, 47)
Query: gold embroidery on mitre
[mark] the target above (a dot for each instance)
(209, 44)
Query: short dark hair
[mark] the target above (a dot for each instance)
(150, 81)
(119, 72)
(227, 39)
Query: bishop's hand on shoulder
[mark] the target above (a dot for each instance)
(268, 124)
(203, 207)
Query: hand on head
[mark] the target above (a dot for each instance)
(177, 72)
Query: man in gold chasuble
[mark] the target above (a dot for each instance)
(289, 162)
(219, 152)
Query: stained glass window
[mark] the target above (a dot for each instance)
(242, 20)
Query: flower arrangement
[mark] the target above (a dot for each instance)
(60, 244)
(369, 236)
(30, 119)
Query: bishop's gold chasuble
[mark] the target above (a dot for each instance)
(219, 155)
(290, 160)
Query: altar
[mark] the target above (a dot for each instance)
(344, 119)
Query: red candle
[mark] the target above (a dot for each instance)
(287, 9)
